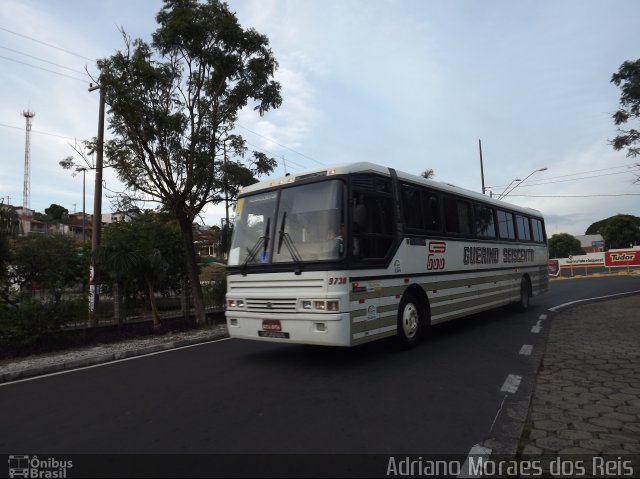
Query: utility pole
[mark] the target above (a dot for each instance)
(97, 212)
(225, 230)
(481, 166)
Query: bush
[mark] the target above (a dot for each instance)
(35, 321)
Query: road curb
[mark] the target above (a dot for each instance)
(35, 371)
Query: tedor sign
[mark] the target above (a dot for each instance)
(622, 258)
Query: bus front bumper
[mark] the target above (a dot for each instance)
(325, 329)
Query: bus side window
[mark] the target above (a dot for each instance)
(524, 233)
(538, 233)
(430, 211)
(411, 208)
(457, 215)
(485, 228)
(505, 225)
(373, 221)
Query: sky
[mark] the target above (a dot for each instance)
(407, 84)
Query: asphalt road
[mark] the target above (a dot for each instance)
(236, 396)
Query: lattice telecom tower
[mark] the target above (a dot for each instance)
(28, 115)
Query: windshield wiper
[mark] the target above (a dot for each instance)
(293, 251)
(263, 240)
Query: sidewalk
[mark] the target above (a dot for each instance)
(586, 398)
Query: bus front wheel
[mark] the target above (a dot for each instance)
(411, 318)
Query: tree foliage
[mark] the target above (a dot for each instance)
(56, 212)
(9, 221)
(49, 262)
(621, 232)
(562, 245)
(145, 254)
(599, 226)
(627, 78)
(428, 173)
(174, 102)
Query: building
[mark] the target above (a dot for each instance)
(591, 243)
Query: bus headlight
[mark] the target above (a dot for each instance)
(333, 306)
(235, 303)
(320, 305)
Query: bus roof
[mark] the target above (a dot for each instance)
(366, 167)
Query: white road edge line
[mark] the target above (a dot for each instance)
(511, 384)
(109, 362)
(543, 317)
(478, 452)
(564, 305)
(526, 349)
(537, 328)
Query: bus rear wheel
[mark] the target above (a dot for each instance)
(411, 319)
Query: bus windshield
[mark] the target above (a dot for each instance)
(309, 227)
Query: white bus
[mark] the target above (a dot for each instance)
(347, 255)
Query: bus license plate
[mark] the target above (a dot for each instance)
(273, 334)
(271, 325)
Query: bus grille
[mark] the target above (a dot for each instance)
(275, 305)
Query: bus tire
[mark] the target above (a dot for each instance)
(525, 295)
(411, 321)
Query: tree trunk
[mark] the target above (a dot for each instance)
(184, 298)
(192, 270)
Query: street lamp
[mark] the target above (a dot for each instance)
(534, 171)
(512, 182)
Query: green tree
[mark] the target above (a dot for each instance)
(9, 221)
(599, 226)
(562, 245)
(56, 212)
(52, 262)
(428, 173)
(627, 78)
(621, 232)
(146, 253)
(173, 103)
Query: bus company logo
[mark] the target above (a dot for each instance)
(434, 262)
(619, 257)
(26, 466)
(437, 247)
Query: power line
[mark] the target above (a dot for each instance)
(43, 60)
(89, 59)
(544, 180)
(275, 155)
(577, 196)
(47, 44)
(280, 144)
(45, 69)
(574, 179)
(36, 131)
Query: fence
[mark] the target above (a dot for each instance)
(38, 310)
(617, 261)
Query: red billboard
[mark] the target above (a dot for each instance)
(622, 258)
